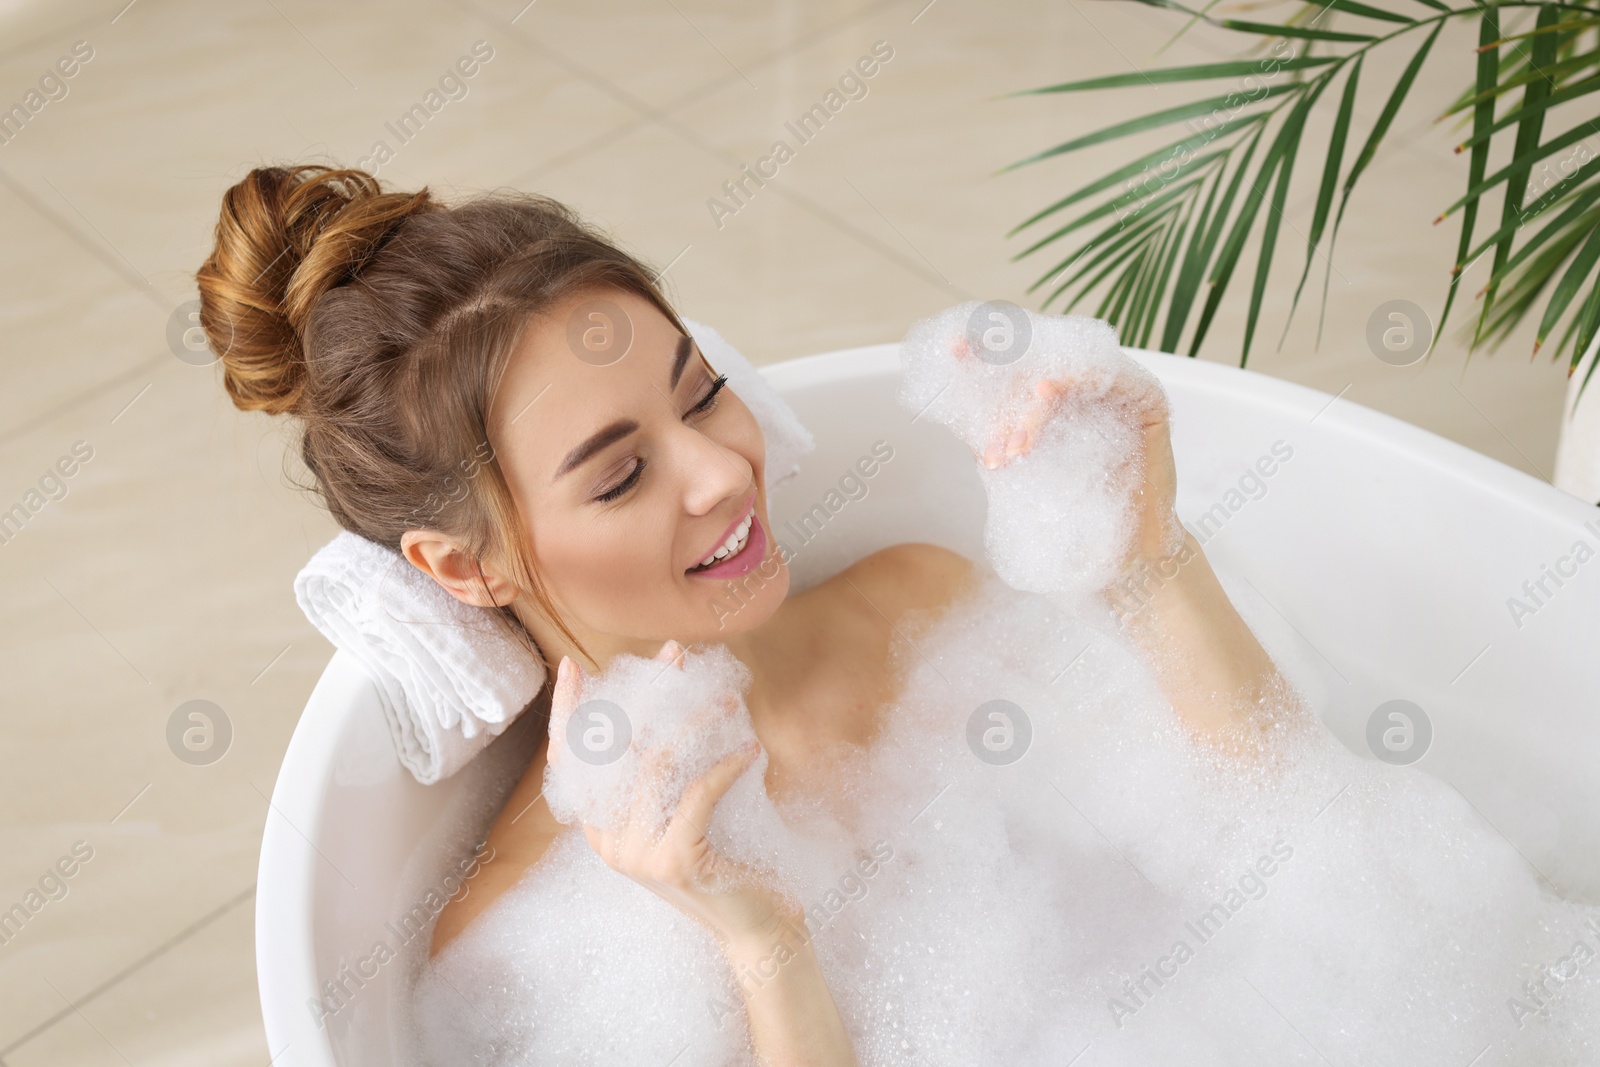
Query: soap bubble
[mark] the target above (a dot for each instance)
(965, 916)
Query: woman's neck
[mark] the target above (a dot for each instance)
(780, 653)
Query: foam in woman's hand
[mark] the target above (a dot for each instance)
(1061, 516)
(643, 731)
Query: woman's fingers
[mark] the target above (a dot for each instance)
(563, 702)
(703, 794)
(645, 833)
(1129, 391)
(1019, 439)
(657, 767)
(644, 811)
(1139, 393)
(1049, 394)
(681, 865)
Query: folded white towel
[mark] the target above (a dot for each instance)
(450, 678)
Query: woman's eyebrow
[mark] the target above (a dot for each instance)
(599, 440)
(679, 358)
(622, 427)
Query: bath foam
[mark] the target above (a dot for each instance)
(1029, 911)
(642, 709)
(1394, 927)
(578, 964)
(662, 727)
(1060, 517)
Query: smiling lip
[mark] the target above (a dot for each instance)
(753, 552)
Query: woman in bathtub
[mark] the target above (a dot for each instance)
(608, 499)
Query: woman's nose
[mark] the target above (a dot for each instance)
(713, 472)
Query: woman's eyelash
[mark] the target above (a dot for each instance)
(706, 403)
(710, 399)
(624, 485)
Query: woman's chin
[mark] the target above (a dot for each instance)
(739, 602)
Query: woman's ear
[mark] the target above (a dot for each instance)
(441, 559)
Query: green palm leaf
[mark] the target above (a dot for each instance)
(1166, 117)
(1330, 178)
(1113, 236)
(1228, 257)
(1165, 249)
(1570, 92)
(1576, 214)
(1568, 287)
(1526, 150)
(1238, 69)
(1286, 30)
(1188, 280)
(1289, 138)
(1123, 173)
(1482, 119)
(1586, 322)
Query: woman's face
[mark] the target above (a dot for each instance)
(629, 470)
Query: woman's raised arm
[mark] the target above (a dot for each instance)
(1166, 597)
(1209, 664)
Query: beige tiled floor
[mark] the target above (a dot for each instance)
(164, 574)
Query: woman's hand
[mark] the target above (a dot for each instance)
(792, 1018)
(1141, 400)
(674, 860)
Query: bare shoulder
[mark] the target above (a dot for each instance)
(856, 621)
(522, 833)
(912, 575)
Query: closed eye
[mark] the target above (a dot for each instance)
(709, 401)
(705, 404)
(623, 486)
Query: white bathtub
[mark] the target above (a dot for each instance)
(1390, 554)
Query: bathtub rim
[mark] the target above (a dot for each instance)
(1264, 391)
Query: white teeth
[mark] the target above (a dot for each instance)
(733, 544)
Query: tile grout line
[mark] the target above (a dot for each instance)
(42, 38)
(672, 125)
(149, 957)
(693, 96)
(121, 270)
(78, 399)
